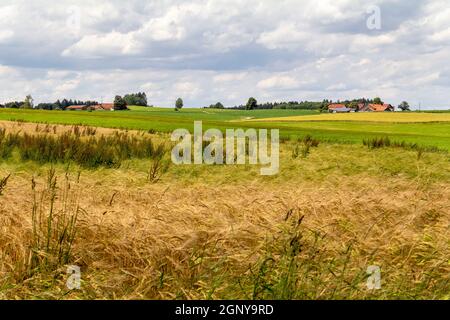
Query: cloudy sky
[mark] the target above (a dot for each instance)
(226, 50)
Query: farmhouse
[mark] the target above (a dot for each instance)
(339, 108)
(105, 106)
(335, 106)
(371, 107)
(362, 107)
(76, 108)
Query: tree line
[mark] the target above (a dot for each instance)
(140, 99)
(133, 99)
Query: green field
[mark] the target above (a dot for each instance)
(166, 120)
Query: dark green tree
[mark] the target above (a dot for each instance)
(119, 103)
(136, 99)
(377, 100)
(404, 106)
(179, 104)
(28, 103)
(251, 104)
(13, 105)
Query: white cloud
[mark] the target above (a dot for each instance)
(286, 35)
(230, 77)
(278, 82)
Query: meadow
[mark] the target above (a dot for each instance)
(140, 227)
(348, 128)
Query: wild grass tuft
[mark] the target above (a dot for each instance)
(157, 168)
(386, 142)
(303, 146)
(3, 182)
(54, 226)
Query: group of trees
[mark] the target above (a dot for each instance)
(120, 103)
(28, 103)
(252, 104)
(13, 105)
(218, 105)
(64, 103)
(140, 99)
(136, 99)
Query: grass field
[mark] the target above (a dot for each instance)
(409, 127)
(143, 228)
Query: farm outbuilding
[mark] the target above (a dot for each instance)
(76, 108)
(371, 107)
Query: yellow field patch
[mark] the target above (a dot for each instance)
(369, 116)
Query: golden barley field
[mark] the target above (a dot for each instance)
(225, 232)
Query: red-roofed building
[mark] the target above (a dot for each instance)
(334, 107)
(380, 107)
(105, 106)
(371, 107)
(76, 108)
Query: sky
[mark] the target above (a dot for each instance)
(207, 51)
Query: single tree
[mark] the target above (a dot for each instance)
(377, 100)
(251, 104)
(404, 106)
(28, 103)
(218, 105)
(179, 104)
(119, 103)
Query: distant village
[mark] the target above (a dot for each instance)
(140, 99)
(361, 107)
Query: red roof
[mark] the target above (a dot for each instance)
(76, 107)
(336, 106)
(379, 107)
(104, 106)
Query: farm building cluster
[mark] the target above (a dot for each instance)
(102, 106)
(362, 107)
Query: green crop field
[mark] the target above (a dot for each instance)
(415, 130)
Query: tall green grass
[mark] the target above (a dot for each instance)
(382, 142)
(91, 152)
(54, 224)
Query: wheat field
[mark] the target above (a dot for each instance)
(224, 232)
